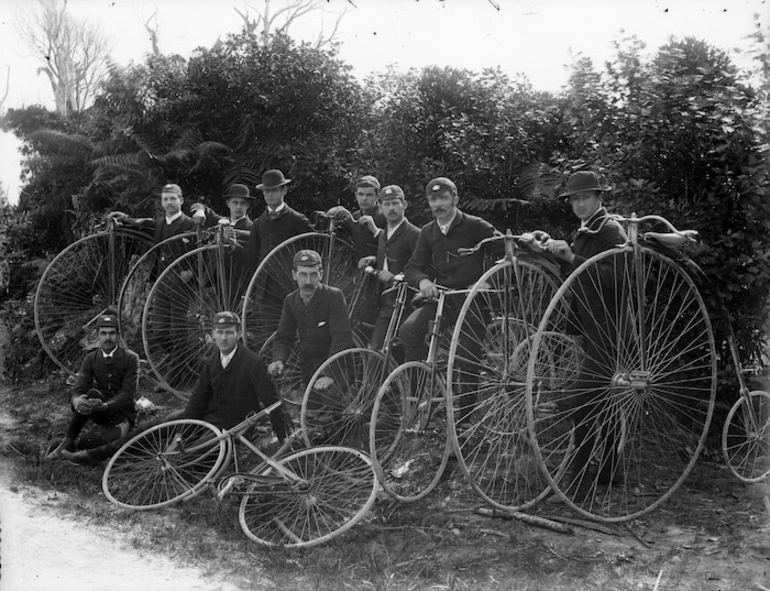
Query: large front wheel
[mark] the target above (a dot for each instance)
(746, 437)
(313, 496)
(620, 436)
(408, 438)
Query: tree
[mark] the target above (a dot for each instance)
(75, 54)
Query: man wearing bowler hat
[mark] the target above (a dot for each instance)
(103, 396)
(593, 320)
(233, 382)
(238, 200)
(278, 222)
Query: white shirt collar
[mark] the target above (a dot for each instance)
(390, 231)
(233, 222)
(173, 218)
(108, 355)
(277, 209)
(225, 359)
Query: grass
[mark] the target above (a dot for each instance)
(436, 544)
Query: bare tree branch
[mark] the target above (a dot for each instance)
(151, 25)
(7, 86)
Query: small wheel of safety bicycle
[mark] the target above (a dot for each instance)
(340, 414)
(746, 437)
(167, 463)
(487, 383)
(408, 437)
(79, 285)
(312, 496)
(621, 437)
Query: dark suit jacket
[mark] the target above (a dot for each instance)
(176, 248)
(224, 397)
(435, 255)
(364, 242)
(116, 377)
(398, 248)
(267, 233)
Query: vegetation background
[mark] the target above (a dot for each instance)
(683, 134)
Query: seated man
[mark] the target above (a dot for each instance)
(103, 395)
(316, 314)
(233, 382)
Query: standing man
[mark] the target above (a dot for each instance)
(366, 223)
(233, 382)
(277, 223)
(436, 261)
(394, 247)
(103, 394)
(595, 327)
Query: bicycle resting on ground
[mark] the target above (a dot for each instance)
(289, 497)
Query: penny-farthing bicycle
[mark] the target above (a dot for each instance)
(498, 319)
(619, 437)
(81, 283)
(176, 322)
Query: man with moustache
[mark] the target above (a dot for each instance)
(395, 245)
(103, 395)
(436, 261)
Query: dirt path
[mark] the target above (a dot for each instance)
(44, 550)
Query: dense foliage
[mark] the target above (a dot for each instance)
(681, 133)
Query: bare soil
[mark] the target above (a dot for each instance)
(714, 534)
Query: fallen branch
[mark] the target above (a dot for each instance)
(530, 519)
(641, 540)
(584, 523)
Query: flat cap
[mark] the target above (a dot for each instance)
(306, 258)
(439, 185)
(107, 321)
(368, 181)
(171, 189)
(392, 192)
(226, 319)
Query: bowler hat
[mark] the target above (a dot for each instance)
(272, 179)
(581, 182)
(227, 319)
(172, 189)
(392, 192)
(368, 181)
(241, 191)
(306, 258)
(107, 321)
(439, 185)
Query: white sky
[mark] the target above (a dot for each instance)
(535, 37)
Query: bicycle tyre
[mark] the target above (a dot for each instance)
(492, 447)
(341, 414)
(77, 287)
(408, 437)
(746, 439)
(149, 471)
(176, 324)
(645, 395)
(327, 491)
(272, 281)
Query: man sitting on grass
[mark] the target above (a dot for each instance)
(104, 393)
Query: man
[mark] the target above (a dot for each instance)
(233, 382)
(104, 393)
(366, 223)
(238, 200)
(277, 223)
(395, 246)
(596, 325)
(435, 260)
(317, 314)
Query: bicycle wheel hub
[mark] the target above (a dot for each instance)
(636, 380)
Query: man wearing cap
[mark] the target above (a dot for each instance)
(436, 260)
(394, 247)
(278, 222)
(317, 314)
(103, 394)
(365, 223)
(233, 382)
(595, 326)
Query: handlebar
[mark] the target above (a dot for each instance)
(534, 240)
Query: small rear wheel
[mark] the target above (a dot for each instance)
(165, 464)
(746, 437)
(312, 496)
